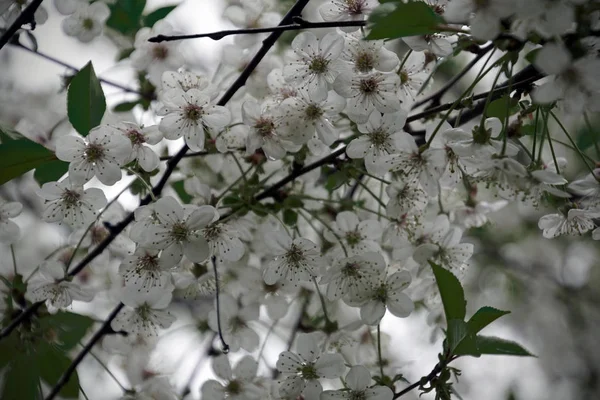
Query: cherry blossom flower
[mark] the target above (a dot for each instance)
(140, 138)
(156, 58)
(448, 252)
(314, 63)
(9, 231)
(145, 313)
(296, 260)
(484, 17)
(351, 276)
(436, 43)
(49, 285)
(69, 202)
(87, 21)
(576, 222)
(145, 270)
(183, 81)
(178, 232)
(381, 139)
(100, 154)
(413, 76)
(572, 81)
(189, 114)
(367, 55)
(387, 294)
(234, 323)
(301, 370)
(251, 14)
(347, 10)
(224, 241)
(357, 236)
(358, 380)
(405, 198)
(239, 382)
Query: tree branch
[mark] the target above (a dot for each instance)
(298, 24)
(26, 17)
(64, 379)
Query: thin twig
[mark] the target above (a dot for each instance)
(224, 344)
(298, 24)
(66, 376)
(26, 17)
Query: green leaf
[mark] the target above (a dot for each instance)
(7, 133)
(20, 156)
(85, 100)
(126, 16)
(502, 107)
(125, 106)
(157, 15)
(496, 346)
(293, 202)
(52, 363)
(68, 328)
(532, 55)
(51, 171)
(394, 20)
(483, 317)
(21, 380)
(123, 54)
(457, 331)
(290, 217)
(180, 190)
(452, 293)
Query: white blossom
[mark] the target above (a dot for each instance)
(69, 202)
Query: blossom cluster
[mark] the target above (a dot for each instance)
(361, 247)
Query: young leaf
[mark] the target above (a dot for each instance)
(85, 100)
(457, 331)
(21, 379)
(125, 106)
(483, 317)
(502, 107)
(394, 20)
(157, 15)
(180, 190)
(126, 16)
(69, 328)
(52, 363)
(497, 346)
(452, 293)
(20, 156)
(290, 217)
(51, 171)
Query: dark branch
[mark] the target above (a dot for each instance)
(298, 24)
(64, 379)
(26, 17)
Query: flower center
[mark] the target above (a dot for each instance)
(193, 112)
(318, 65)
(353, 238)
(212, 232)
(70, 198)
(180, 232)
(98, 233)
(148, 262)
(233, 387)
(264, 127)
(403, 77)
(355, 7)
(481, 3)
(87, 24)
(308, 372)
(136, 137)
(160, 52)
(364, 62)
(358, 395)
(379, 138)
(294, 255)
(313, 112)
(381, 293)
(368, 85)
(94, 152)
(481, 135)
(351, 270)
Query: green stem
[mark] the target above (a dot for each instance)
(322, 299)
(379, 350)
(326, 225)
(14, 259)
(591, 130)
(108, 371)
(577, 149)
(381, 203)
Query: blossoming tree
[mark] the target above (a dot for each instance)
(324, 181)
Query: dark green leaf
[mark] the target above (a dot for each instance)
(394, 20)
(21, 380)
(494, 345)
(532, 54)
(7, 133)
(293, 202)
(50, 171)
(69, 328)
(457, 331)
(502, 107)
(180, 190)
(483, 317)
(452, 293)
(125, 106)
(290, 217)
(335, 180)
(52, 363)
(157, 15)
(8, 350)
(20, 156)
(126, 16)
(85, 100)
(123, 54)
(231, 200)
